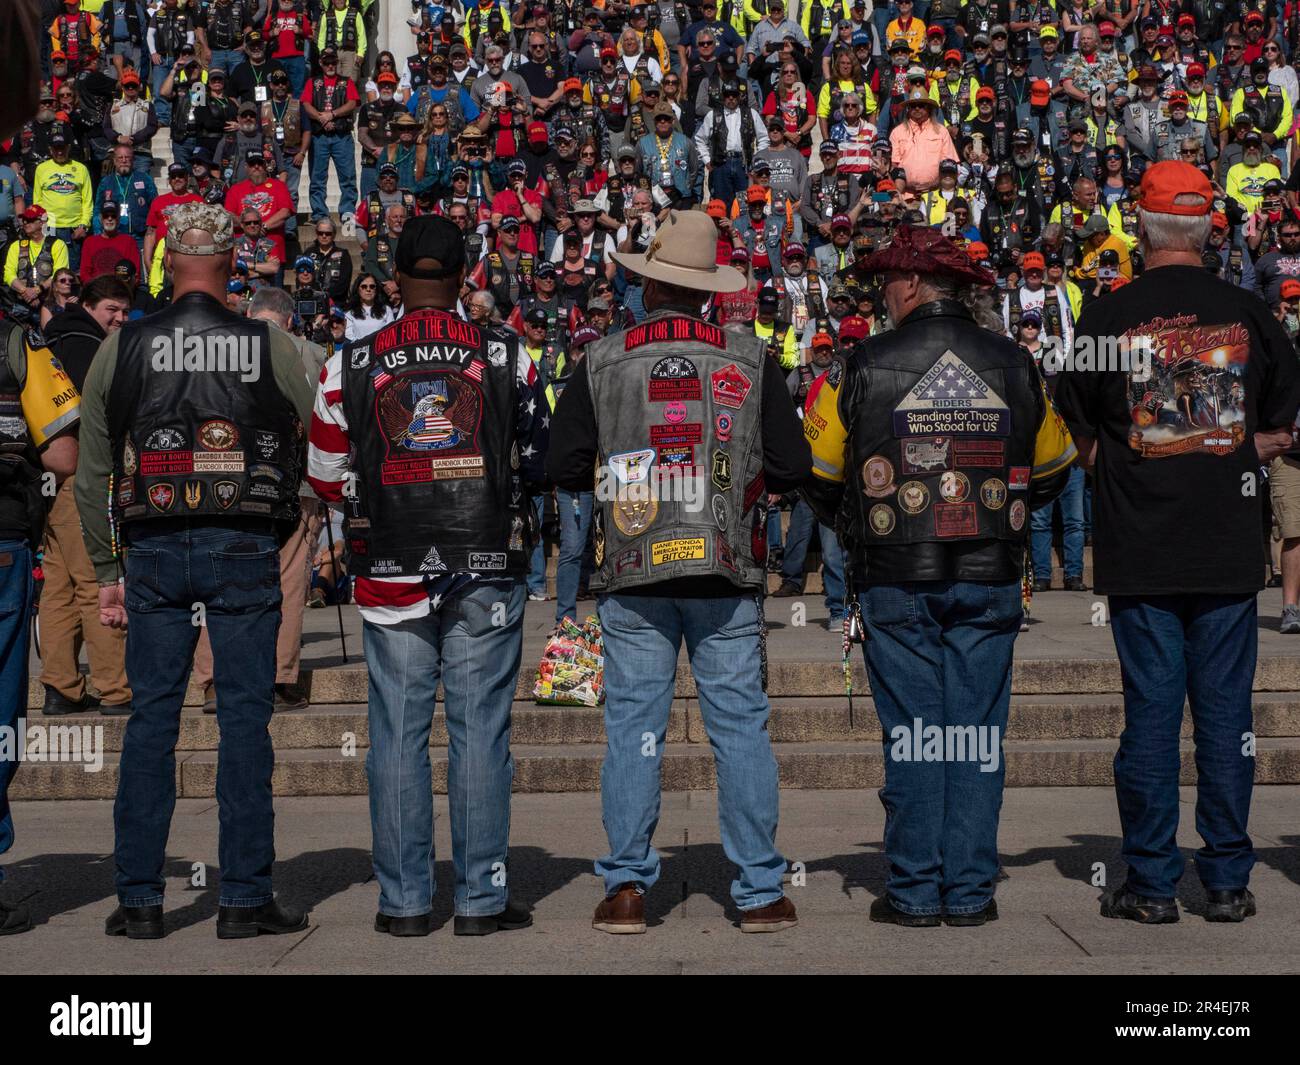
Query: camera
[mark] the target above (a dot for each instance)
(307, 309)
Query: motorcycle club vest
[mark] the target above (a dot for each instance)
(225, 25)
(40, 269)
(718, 135)
(282, 122)
(613, 100)
(198, 427)
(170, 31)
(432, 401)
(1265, 107)
(680, 466)
(1051, 312)
(418, 66)
(337, 97)
(329, 266)
(351, 19)
(22, 506)
(944, 449)
(508, 284)
(831, 194)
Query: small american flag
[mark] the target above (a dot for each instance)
(380, 377)
(475, 370)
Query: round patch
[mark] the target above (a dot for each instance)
(1017, 514)
(913, 497)
(993, 493)
(218, 436)
(129, 464)
(722, 425)
(878, 476)
(675, 411)
(720, 512)
(954, 486)
(634, 509)
(881, 519)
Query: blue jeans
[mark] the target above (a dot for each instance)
(369, 180)
(157, 75)
(474, 651)
(1202, 648)
(1040, 523)
(728, 178)
(296, 67)
(16, 590)
(226, 60)
(293, 180)
(537, 561)
(182, 150)
(939, 654)
(642, 636)
(634, 302)
(74, 246)
(797, 538)
(171, 567)
(574, 509)
(341, 148)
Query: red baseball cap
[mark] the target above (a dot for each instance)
(1177, 97)
(1186, 20)
(1219, 220)
(986, 93)
(1290, 288)
(977, 250)
(608, 53)
(1195, 70)
(537, 131)
(1164, 182)
(854, 327)
(952, 54)
(1033, 261)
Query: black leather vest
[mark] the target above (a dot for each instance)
(198, 426)
(431, 403)
(22, 506)
(941, 447)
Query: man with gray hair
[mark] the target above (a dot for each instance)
(495, 73)
(1175, 430)
(275, 306)
(193, 417)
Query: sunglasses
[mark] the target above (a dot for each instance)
(367, 288)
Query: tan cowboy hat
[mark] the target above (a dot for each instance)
(683, 252)
(920, 96)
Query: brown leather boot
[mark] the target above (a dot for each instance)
(623, 913)
(770, 918)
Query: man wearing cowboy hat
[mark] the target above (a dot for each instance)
(919, 142)
(688, 426)
(931, 442)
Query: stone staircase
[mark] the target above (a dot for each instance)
(1066, 716)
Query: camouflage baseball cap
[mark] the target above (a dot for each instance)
(212, 219)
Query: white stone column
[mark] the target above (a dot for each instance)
(394, 34)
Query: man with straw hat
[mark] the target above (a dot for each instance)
(919, 142)
(688, 427)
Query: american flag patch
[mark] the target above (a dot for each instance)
(380, 377)
(474, 371)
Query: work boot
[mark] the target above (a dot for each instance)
(622, 913)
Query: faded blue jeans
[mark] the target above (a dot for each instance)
(1201, 648)
(342, 149)
(16, 589)
(939, 655)
(642, 636)
(1040, 522)
(574, 511)
(797, 539)
(171, 567)
(472, 645)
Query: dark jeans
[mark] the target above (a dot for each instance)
(939, 655)
(15, 628)
(728, 178)
(175, 574)
(1201, 648)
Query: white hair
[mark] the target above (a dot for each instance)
(1175, 232)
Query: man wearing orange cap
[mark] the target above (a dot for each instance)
(131, 121)
(930, 444)
(957, 88)
(1173, 132)
(1175, 441)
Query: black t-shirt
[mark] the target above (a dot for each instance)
(1177, 491)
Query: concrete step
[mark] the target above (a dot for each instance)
(808, 720)
(787, 679)
(686, 767)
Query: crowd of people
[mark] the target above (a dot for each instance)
(560, 139)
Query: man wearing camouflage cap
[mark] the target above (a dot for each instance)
(193, 421)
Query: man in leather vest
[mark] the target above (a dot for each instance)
(194, 416)
(41, 410)
(449, 436)
(931, 443)
(688, 427)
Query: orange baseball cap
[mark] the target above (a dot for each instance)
(886, 186)
(1290, 289)
(986, 93)
(952, 54)
(1177, 97)
(1033, 261)
(756, 194)
(977, 250)
(716, 209)
(385, 77)
(130, 77)
(1118, 282)
(825, 340)
(1040, 92)
(572, 85)
(1164, 182)
(1219, 220)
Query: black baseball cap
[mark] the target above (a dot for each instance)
(536, 316)
(431, 237)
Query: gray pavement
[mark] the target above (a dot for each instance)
(1051, 840)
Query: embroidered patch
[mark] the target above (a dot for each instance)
(687, 549)
(913, 497)
(926, 454)
(730, 386)
(881, 519)
(950, 397)
(993, 493)
(955, 519)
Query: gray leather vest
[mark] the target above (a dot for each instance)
(679, 479)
